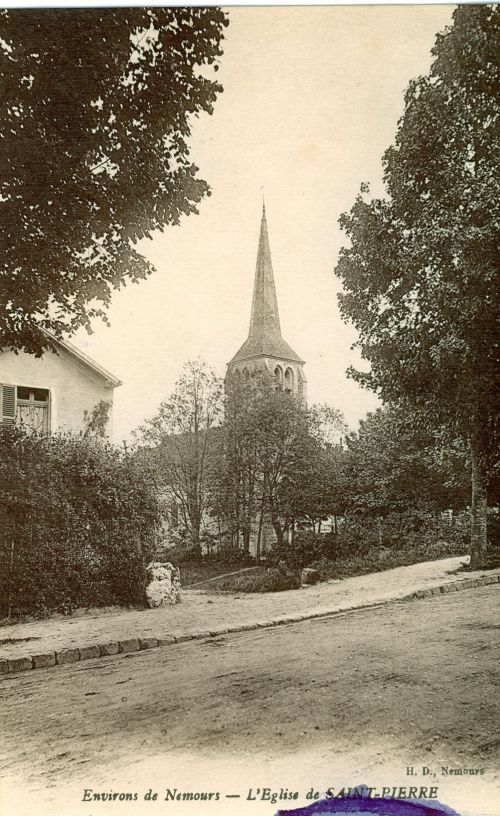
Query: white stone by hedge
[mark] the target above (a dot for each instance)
(164, 584)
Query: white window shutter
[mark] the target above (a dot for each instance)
(8, 406)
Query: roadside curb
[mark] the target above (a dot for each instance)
(49, 659)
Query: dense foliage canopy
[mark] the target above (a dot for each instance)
(392, 466)
(420, 275)
(272, 465)
(95, 118)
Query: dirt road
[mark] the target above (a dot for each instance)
(371, 693)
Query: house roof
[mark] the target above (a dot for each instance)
(264, 335)
(87, 361)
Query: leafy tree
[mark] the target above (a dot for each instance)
(393, 466)
(179, 440)
(95, 120)
(273, 462)
(421, 274)
(322, 492)
(235, 493)
(286, 456)
(327, 424)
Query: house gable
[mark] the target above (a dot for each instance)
(74, 383)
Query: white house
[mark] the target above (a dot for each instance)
(52, 391)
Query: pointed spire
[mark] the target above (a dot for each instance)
(265, 318)
(264, 336)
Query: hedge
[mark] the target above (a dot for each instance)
(77, 524)
(427, 536)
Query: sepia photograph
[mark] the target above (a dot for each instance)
(249, 479)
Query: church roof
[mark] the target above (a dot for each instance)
(264, 336)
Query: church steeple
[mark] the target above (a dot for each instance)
(265, 317)
(264, 336)
(265, 349)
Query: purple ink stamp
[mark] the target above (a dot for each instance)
(363, 801)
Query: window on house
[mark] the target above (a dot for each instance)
(26, 405)
(289, 380)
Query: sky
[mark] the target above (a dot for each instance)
(312, 97)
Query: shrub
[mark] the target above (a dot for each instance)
(178, 549)
(77, 523)
(494, 531)
(400, 538)
(305, 548)
(228, 551)
(414, 529)
(275, 579)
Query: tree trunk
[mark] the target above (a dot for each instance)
(195, 540)
(479, 504)
(279, 532)
(259, 535)
(219, 531)
(246, 540)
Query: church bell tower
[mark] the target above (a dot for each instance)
(265, 349)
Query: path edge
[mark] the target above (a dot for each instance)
(15, 665)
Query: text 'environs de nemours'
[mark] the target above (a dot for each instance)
(263, 794)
